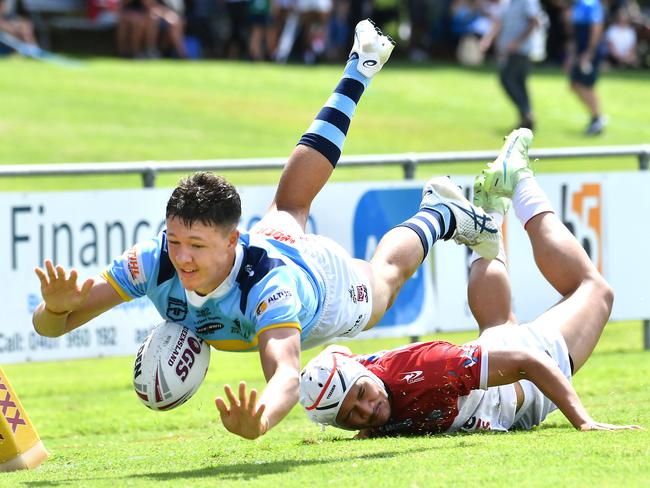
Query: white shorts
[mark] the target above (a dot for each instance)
(536, 406)
(347, 305)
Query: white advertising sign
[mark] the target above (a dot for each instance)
(607, 212)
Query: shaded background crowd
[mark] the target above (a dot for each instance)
(307, 31)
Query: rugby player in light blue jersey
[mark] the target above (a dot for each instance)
(273, 289)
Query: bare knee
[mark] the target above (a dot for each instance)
(602, 291)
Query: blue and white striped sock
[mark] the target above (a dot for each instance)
(431, 224)
(327, 132)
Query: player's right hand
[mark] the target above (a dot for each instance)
(60, 290)
(593, 425)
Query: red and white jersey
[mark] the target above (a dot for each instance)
(437, 387)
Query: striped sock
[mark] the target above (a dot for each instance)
(431, 224)
(327, 132)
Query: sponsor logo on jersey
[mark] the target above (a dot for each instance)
(273, 301)
(134, 265)
(208, 328)
(261, 308)
(176, 309)
(412, 377)
(277, 235)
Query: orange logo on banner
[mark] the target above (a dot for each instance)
(592, 214)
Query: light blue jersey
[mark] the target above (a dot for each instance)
(271, 285)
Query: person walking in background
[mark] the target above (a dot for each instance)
(512, 30)
(584, 55)
(14, 25)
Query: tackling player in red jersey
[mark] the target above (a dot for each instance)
(514, 374)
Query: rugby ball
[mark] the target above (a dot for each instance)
(170, 366)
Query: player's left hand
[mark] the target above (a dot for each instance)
(602, 426)
(242, 417)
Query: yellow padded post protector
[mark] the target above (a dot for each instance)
(20, 446)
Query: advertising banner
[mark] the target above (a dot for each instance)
(86, 230)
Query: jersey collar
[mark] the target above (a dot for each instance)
(220, 291)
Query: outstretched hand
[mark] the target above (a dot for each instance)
(242, 417)
(60, 291)
(593, 425)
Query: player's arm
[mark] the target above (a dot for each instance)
(280, 358)
(487, 40)
(67, 304)
(507, 366)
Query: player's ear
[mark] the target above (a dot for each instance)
(233, 238)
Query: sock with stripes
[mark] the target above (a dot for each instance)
(431, 224)
(327, 132)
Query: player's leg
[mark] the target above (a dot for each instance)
(444, 214)
(489, 293)
(587, 299)
(318, 151)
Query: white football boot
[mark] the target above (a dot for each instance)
(474, 228)
(371, 47)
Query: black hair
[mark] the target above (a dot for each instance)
(207, 198)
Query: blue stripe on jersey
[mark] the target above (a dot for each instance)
(327, 148)
(255, 265)
(351, 88)
(335, 117)
(166, 271)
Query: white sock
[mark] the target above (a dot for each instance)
(501, 256)
(529, 200)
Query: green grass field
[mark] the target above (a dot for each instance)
(112, 110)
(99, 434)
(86, 412)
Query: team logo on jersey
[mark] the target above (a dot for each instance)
(272, 301)
(176, 309)
(237, 329)
(471, 355)
(134, 265)
(412, 377)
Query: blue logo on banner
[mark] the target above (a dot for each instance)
(379, 211)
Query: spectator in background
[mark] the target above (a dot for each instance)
(262, 37)
(136, 30)
(169, 15)
(198, 24)
(238, 19)
(621, 40)
(314, 19)
(470, 21)
(512, 28)
(339, 32)
(14, 25)
(584, 55)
